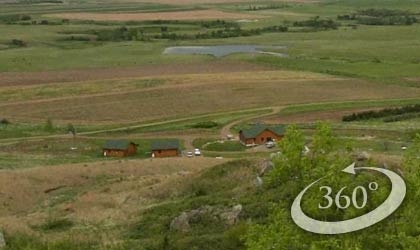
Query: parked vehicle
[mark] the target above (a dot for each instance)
(197, 152)
(270, 144)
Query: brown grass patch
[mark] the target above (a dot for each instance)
(31, 78)
(176, 15)
(126, 186)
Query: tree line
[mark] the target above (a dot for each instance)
(381, 17)
(393, 114)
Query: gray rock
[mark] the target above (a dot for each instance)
(231, 217)
(363, 156)
(2, 241)
(267, 166)
(181, 223)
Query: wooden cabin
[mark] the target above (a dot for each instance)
(260, 134)
(119, 148)
(165, 148)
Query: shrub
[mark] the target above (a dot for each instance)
(18, 43)
(317, 23)
(205, 124)
(366, 115)
(56, 225)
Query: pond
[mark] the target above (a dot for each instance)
(224, 50)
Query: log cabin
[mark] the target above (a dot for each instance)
(119, 148)
(259, 134)
(165, 148)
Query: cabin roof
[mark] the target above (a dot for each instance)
(257, 129)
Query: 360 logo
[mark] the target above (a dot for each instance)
(392, 202)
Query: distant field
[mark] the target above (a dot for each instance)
(187, 2)
(42, 77)
(184, 95)
(176, 15)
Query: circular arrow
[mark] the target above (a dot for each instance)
(394, 200)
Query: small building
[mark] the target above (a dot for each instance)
(260, 134)
(165, 148)
(119, 148)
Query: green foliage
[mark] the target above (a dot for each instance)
(290, 162)
(267, 7)
(381, 17)
(399, 231)
(11, 19)
(18, 43)
(317, 23)
(214, 187)
(4, 123)
(55, 224)
(71, 129)
(216, 29)
(397, 114)
(205, 124)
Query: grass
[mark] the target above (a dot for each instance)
(225, 146)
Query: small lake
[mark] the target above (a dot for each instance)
(224, 50)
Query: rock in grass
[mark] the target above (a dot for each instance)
(2, 241)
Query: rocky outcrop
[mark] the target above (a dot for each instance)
(228, 216)
(231, 217)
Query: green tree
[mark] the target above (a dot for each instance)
(401, 230)
(291, 161)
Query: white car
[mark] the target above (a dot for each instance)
(270, 144)
(197, 152)
(190, 154)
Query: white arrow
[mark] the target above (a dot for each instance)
(394, 200)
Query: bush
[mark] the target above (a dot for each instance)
(205, 124)
(317, 23)
(56, 225)
(18, 43)
(381, 17)
(382, 113)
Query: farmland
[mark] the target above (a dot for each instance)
(74, 74)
